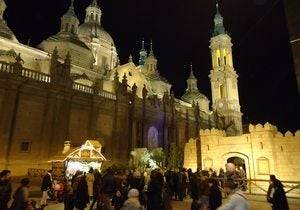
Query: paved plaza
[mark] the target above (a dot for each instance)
(256, 202)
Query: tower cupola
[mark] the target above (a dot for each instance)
(69, 21)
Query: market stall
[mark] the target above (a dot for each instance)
(77, 159)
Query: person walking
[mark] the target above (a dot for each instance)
(5, 189)
(21, 197)
(276, 195)
(90, 178)
(46, 186)
(215, 195)
(237, 199)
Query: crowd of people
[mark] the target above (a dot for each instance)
(137, 190)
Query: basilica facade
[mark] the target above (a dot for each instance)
(71, 88)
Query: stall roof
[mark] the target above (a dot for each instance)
(89, 151)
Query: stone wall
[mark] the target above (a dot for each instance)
(264, 150)
(39, 112)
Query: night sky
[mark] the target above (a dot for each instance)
(180, 31)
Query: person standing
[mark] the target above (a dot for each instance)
(276, 195)
(90, 178)
(215, 195)
(21, 197)
(237, 199)
(5, 189)
(81, 195)
(46, 186)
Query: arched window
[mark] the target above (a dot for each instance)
(67, 27)
(153, 137)
(73, 29)
(97, 17)
(92, 16)
(222, 91)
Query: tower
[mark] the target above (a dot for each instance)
(192, 82)
(143, 54)
(151, 61)
(69, 21)
(224, 79)
(93, 13)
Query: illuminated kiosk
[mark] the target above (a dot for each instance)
(78, 159)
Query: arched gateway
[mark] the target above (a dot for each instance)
(239, 160)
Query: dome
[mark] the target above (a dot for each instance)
(91, 30)
(195, 96)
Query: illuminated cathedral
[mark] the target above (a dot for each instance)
(72, 87)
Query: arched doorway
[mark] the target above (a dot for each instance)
(239, 163)
(238, 159)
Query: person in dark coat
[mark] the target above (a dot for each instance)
(118, 200)
(276, 195)
(96, 187)
(21, 197)
(155, 200)
(109, 183)
(81, 195)
(46, 185)
(68, 195)
(215, 195)
(5, 189)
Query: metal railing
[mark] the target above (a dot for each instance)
(260, 186)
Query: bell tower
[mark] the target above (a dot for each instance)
(224, 79)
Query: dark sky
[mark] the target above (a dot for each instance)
(180, 31)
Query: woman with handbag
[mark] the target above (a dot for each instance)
(21, 197)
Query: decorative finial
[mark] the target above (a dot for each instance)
(94, 3)
(71, 10)
(191, 66)
(130, 60)
(143, 44)
(151, 48)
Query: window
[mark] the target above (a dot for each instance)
(25, 146)
(263, 166)
(261, 145)
(72, 29)
(225, 60)
(104, 61)
(67, 27)
(97, 17)
(222, 91)
(92, 16)
(219, 62)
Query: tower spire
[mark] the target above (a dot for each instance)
(192, 76)
(218, 20)
(151, 48)
(143, 54)
(94, 3)
(71, 10)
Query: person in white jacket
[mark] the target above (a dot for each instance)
(237, 199)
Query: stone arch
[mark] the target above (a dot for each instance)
(152, 137)
(229, 155)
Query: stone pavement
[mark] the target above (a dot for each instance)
(256, 202)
